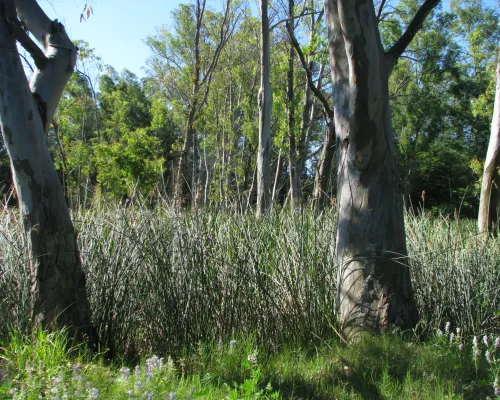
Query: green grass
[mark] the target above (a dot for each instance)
(384, 367)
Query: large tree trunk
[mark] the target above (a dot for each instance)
(374, 283)
(58, 292)
(489, 205)
(265, 101)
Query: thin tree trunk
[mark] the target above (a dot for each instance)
(58, 290)
(277, 177)
(294, 171)
(183, 179)
(253, 190)
(489, 205)
(324, 167)
(265, 102)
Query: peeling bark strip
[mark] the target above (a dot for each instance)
(58, 291)
(374, 282)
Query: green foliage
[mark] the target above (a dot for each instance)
(442, 99)
(131, 165)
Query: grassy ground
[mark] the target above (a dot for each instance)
(375, 368)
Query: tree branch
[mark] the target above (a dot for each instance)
(47, 84)
(380, 9)
(393, 54)
(318, 93)
(286, 20)
(27, 43)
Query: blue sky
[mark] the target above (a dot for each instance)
(117, 28)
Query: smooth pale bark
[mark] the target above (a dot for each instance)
(277, 178)
(265, 102)
(58, 291)
(374, 283)
(489, 204)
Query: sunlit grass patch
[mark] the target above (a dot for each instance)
(385, 367)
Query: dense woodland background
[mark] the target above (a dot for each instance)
(116, 136)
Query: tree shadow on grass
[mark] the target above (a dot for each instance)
(381, 368)
(299, 388)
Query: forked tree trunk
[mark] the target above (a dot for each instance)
(265, 102)
(489, 205)
(58, 292)
(374, 283)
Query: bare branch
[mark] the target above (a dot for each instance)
(302, 14)
(416, 24)
(380, 9)
(318, 93)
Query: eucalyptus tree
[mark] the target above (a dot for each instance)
(265, 104)
(295, 193)
(374, 284)
(489, 206)
(184, 62)
(58, 290)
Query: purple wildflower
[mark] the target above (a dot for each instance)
(94, 393)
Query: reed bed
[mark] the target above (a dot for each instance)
(159, 282)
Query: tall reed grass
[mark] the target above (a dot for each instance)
(159, 282)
